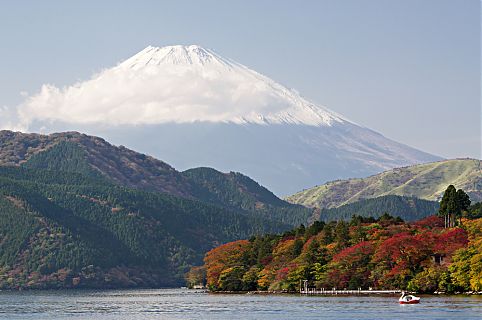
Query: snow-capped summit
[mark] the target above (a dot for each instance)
(176, 84)
(192, 107)
(255, 97)
(177, 55)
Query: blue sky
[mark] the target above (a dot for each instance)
(408, 69)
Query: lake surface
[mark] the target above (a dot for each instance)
(191, 304)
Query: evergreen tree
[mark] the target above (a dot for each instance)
(314, 229)
(342, 234)
(297, 248)
(300, 231)
(328, 233)
(463, 201)
(453, 203)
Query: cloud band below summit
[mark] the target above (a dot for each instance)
(173, 84)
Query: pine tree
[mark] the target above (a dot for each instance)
(328, 233)
(342, 234)
(463, 201)
(453, 203)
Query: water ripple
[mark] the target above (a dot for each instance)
(187, 304)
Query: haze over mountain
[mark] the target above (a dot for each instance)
(191, 107)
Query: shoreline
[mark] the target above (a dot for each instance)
(328, 293)
(348, 293)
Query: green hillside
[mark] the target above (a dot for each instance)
(55, 222)
(236, 191)
(407, 208)
(118, 164)
(76, 211)
(425, 181)
(93, 156)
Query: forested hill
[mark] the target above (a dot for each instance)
(61, 229)
(425, 181)
(93, 156)
(236, 191)
(407, 208)
(76, 211)
(78, 152)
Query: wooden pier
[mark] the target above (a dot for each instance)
(322, 291)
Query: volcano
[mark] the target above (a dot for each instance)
(191, 107)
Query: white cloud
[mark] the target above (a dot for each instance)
(124, 96)
(9, 119)
(139, 91)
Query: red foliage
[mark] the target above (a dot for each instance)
(430, 222)
(266, 260)
(338, 278)
(404, 249)
(451, 240)
(351, 266)
(281, 274)
(359, 250)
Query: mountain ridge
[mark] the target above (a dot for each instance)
(425, 181)
(96, 157)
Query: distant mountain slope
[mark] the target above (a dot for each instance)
(426, 181)
(407, 208)
(95, 157)
(66, 229)
(121, 165)
(234, 190)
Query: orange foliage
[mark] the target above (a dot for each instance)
(223, 257)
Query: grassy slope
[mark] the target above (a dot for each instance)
(425, 181)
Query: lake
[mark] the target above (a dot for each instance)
(191, 304)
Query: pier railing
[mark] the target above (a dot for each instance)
(323, 291)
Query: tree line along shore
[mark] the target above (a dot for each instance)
(438, 254)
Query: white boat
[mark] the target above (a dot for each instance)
(408, 299)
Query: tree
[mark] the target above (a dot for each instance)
(327, 233)
(196, 276)
(463, 201)
(342, 234)
(466, 269)
(453, 203)
(250, 279)
(314, 229)
(350, 268)
(300, 231)
(428, 280)
(400, 257)
(231, 279)
(474, 211)
(225, 261)
(297, 248)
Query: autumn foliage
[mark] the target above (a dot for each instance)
(223, 259)
(422, 256)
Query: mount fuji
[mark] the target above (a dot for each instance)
(191, 107)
